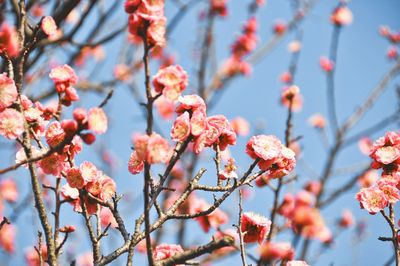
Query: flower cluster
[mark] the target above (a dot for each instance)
(147, 20)
(204, 131)
(93, 181)
(64, 77)
(273, 156)
(303, 217)
(64, 137)
(385, 153)
(171, 81)
(243, 45)
(165, 251)
(376, 193)
(393, 38)
(152, 149)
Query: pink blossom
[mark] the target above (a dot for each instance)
(181, 129)
(219, 7)
(49, 26)
(108, 188)
(304, 198)
(9, 41)
(392, 52)
(286, 77)
(135, 166)
(97, 120)
(107, 217)
(317, 121)
(372, 199)
(283, 165)
(313, 187)
(294, 46)
(219, 132)
(7, 238)
(151, 10)
(156, 34)
(11, 123)
(279, 27)
(265, 147)
(198, 122)
(171, 80)
(8, 91)
(54, 135)
(388, 187)
(221, 234)
(234, 66)
(326, 64)
(365, 145)
(140, 144)
(229, 170)
(190, 103)
(255, 227)
(287, 205)
(53, 164)
(291, 96)
(67, 229)
(157, 149)
(341, 16)
(122, 72)
(165, 108)
(85, 259)
(75, 178)
(346, 220)
(63, 74)
(89, 171)
(368, 179)
(272, 251)
(131, 5)
(240, 126)
(37, 10)
(213, 220)
(70, 193)
(32, 257)
(9, 189)
(386, 152)
(165, 251)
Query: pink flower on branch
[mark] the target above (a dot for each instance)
(254, 227)
(372, 199)
(11, 123)
(8, 92)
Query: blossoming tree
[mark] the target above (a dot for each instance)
(193, 172)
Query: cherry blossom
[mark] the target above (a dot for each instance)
(255, 227)
(165, 251)
(8, 92)
(49, 26)
(11, 123)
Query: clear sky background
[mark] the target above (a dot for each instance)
(361, 64)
